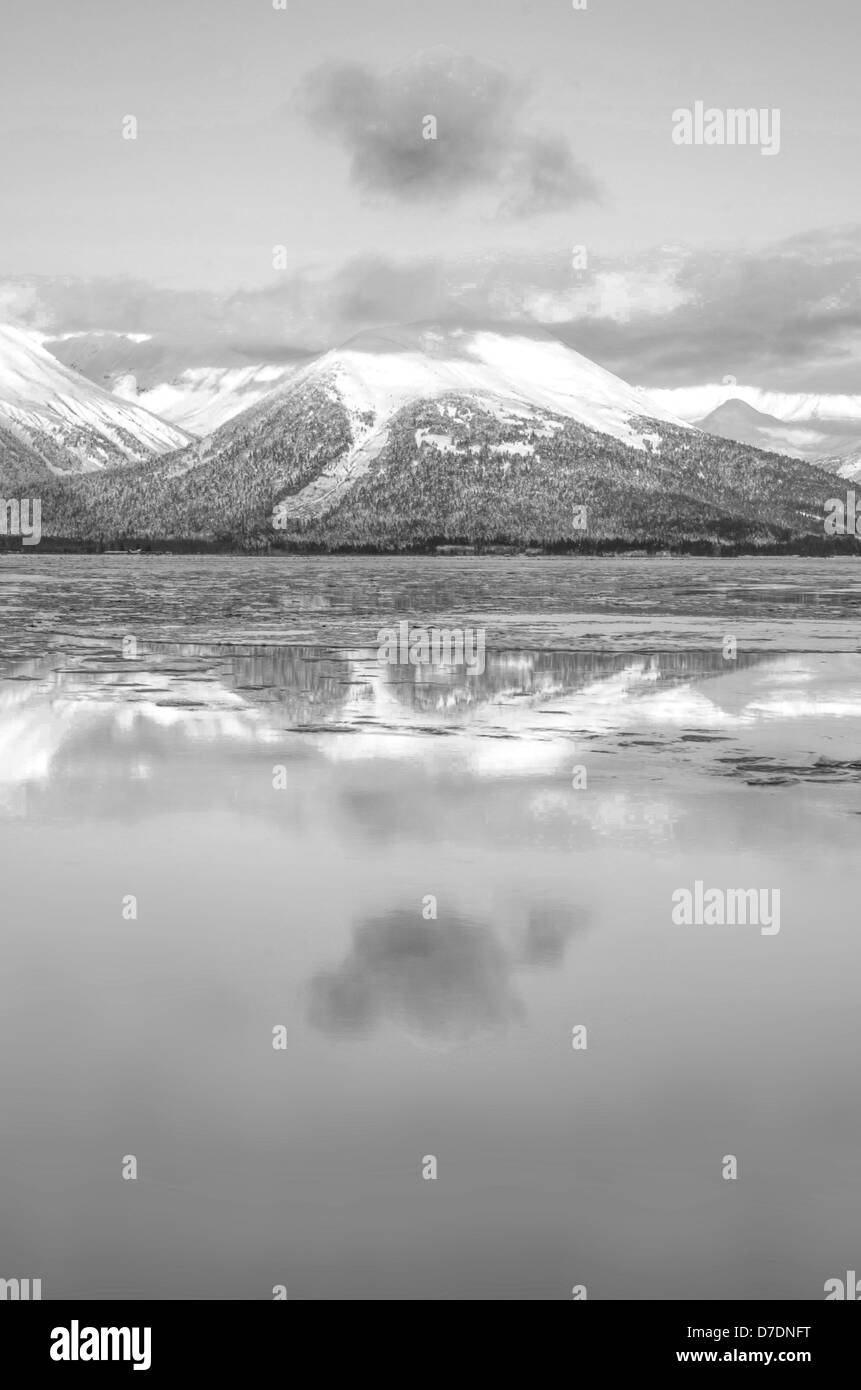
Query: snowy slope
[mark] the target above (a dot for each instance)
(175, 379)
(83, 427)
(20, 463)
(382, 371)
(200, 399)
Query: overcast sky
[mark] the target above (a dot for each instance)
(302, 127)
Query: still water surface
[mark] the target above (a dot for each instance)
(302, 906)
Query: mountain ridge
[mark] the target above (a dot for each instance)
(70, 421)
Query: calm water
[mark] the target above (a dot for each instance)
(304, 906)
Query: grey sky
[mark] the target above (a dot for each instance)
(261, 127)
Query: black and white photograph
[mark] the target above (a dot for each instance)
(430, 661)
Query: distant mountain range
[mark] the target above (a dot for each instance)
(824, 430)
(408, 437)
(829, 447)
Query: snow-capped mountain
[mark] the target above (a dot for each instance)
(819, 410)
(823, 429)
(72, 423)
(322, 431)
(381, 371)
(735, 419)
(351, 398)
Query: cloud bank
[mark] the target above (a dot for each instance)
(785, 317)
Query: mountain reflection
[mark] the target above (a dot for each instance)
(302, 686)
(86, 723)
(310, 685)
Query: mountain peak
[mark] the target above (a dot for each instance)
(737, 410)
(384, 369)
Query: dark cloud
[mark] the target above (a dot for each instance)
(482, 140)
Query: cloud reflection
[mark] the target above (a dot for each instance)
(446, 981)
